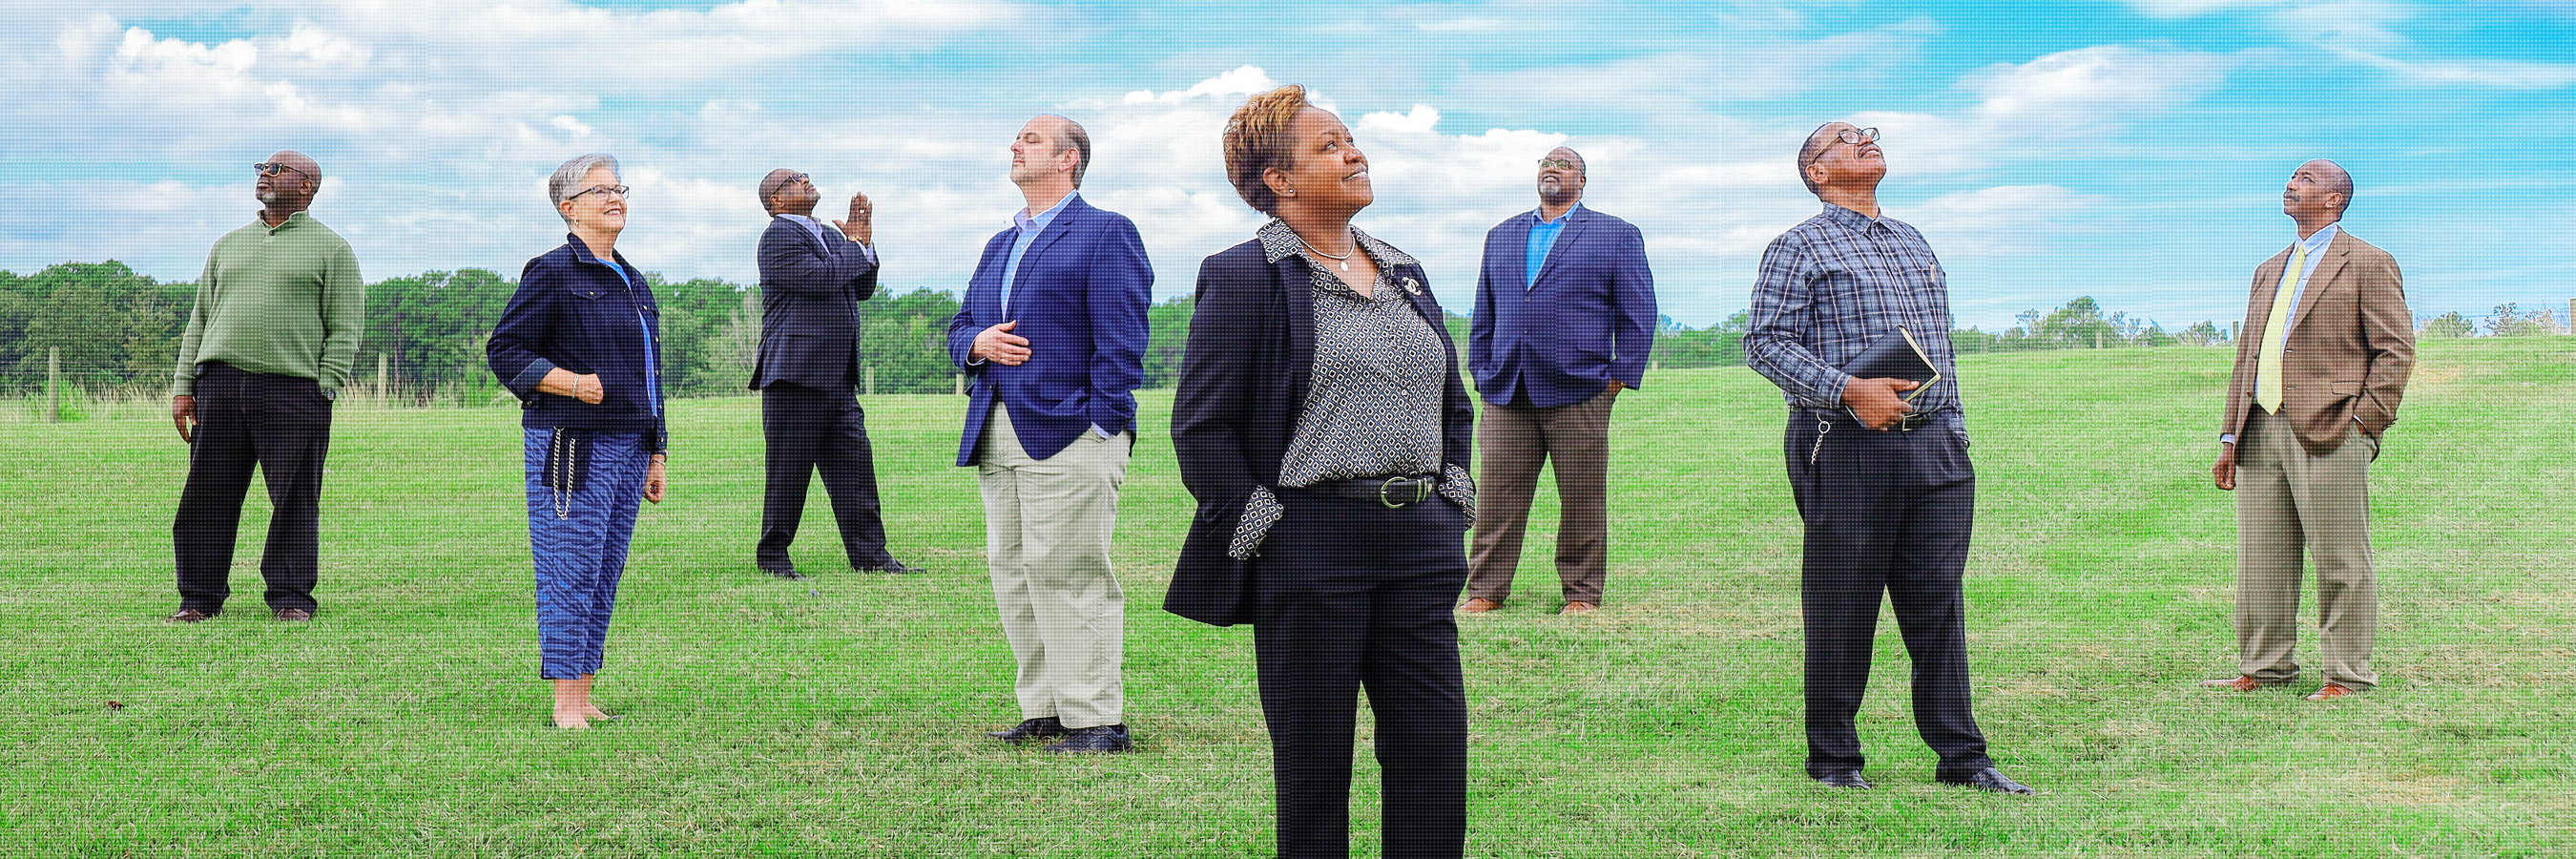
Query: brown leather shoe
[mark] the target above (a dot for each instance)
(1579, 607)
(2239, 683)
(1480, 605)
(187, 615)
(2330, 692)
(294, 615)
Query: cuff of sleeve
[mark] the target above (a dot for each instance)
(1460, 489)
(2227, 438)
(1261, 510)
(525, 384)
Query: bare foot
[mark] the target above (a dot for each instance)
(571, 721)
(593, 713)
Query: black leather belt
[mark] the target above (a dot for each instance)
(1394, 492)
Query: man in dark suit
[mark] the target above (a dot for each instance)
(1565, 317)
(2326, 349)
(812, 278)
(1053, 334)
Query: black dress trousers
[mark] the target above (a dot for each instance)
(1887, 512)
(1353, 595)
(811, 429)
(282, 426)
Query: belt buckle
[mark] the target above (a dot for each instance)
(1421, 492)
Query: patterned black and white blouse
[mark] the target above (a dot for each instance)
(1373, 405)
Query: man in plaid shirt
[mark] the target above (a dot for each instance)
(1883, 483)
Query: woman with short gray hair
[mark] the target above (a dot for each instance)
(580, 344)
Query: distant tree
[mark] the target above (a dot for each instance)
(2448, 326)
(1167, 327)
(2508, 320)
(2203, 333)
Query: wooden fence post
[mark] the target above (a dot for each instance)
(380, 380)
(54, 384)
(960, 379)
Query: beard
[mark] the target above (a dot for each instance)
(1556, 193)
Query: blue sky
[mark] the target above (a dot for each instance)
(2132, 151)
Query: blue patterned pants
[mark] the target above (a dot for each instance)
(579, 539)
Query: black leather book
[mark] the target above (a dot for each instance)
(1896, 356)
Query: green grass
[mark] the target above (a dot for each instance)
(843, 716)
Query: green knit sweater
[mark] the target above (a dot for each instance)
(283, 299)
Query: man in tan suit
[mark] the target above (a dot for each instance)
(2322, 360)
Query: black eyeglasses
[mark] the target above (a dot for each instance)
(1858, 136)
(619, 190)
(1545, 163)
(275, 168)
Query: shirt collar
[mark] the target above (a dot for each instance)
(293, 221)
(1038, 223)
(1541, 215)
(1849, 217)
(2316, 241)
(1278, 240)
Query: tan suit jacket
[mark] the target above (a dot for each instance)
(2351, 345)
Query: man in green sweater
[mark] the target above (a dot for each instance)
(268, 346)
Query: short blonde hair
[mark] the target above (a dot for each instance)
(1256, 139)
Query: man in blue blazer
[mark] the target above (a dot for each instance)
(1053, 335)
(1565, 318)
(812, 278)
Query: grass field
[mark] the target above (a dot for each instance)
(843, 716)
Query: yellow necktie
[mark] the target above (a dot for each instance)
(2276, 334)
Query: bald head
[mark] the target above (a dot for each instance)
(2317, 194)
(789, 192)
(290, 188)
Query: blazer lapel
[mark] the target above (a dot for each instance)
(1564, 240)
(1055, 230)
(1297, 292)
(2329, 265)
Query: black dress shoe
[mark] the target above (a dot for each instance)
(1099, 739)
(891, 566)
(1040, 728)
(187, 615)
(1842, 778)
(1991, 779)
(789, 573)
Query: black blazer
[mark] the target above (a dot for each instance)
(810, 291)
(591, 316)
(1242, 387)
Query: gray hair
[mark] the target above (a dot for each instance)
(572, 172)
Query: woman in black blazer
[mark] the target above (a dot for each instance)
(1322, 425)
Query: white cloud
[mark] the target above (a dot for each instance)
(1684, 80)
(2501, 74)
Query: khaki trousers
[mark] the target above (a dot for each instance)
(2286, 499)
(1047, 524)
(1515, 441)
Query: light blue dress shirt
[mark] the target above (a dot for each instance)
(1030, 226)
(1542, 238)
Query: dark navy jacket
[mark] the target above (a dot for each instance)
(576, 312)
(1588, 318)
(810, 289)
(1084, 284)
(1243, 384)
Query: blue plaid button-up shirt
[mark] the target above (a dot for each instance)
(1833, 285)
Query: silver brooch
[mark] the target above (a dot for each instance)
(1412, 286)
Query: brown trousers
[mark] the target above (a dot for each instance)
(1514, 441)
(2287, 499)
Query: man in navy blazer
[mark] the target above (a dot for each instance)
(1565, 318)
(812, 278)
(1053, 335)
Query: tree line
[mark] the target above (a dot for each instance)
(119, 330)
